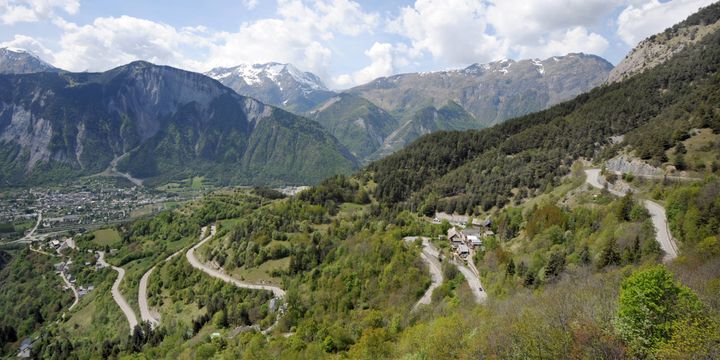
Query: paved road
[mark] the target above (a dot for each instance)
(146, 314)
(117, 295)
(592, 177)
(29, 237)
(657, 214)
(430, 256)
(662, 231)
(70, 285)
(194, 262)
(473, 281)
(278, 292)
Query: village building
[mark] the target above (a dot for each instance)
(463, 250)
(456, 237)
(474, 241)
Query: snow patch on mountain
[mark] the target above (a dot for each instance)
(538, 64)
(255, 74)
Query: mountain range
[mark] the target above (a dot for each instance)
(161, 123)
(156, 122)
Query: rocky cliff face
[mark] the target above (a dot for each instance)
(18, 61)
(281, 85)
(626, 165)
(658, 48)
(490, 92)
(167, 122)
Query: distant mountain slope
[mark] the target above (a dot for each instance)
(18, 61)
(468, 171)
(660, 47)
(427, 120)
(171, 123)
(282, 85)
(357, 123)
(490, 92)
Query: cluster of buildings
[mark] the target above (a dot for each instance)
(469, 238)
(77, 206)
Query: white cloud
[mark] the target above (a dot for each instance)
(250, 4)
(30, 44)
(576, 39)
(385, 60)
(298, 35)
(16, 11)
(452, 31)
(109, 42)
(381, 56)
(459, 32)
(638, 21)
(526, 22)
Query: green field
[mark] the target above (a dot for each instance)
(106, 237)
(197, 183)
(261, 274)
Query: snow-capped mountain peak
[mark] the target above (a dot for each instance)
(254, 74)
(274, 83)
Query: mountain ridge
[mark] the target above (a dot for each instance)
(171, 123)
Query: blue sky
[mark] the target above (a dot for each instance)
(345, 42)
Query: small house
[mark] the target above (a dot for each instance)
(474, 241)
(463, 250)
(456, 237)
(25, 348)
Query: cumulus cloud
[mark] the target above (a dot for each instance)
(30, 44)
(453, 31)
(524, 22)
(17, 11)
(112, 41)
(459, 32)
(577, 39)
(297, 35)
(384, 60)
(640, 20)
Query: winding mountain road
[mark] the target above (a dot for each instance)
(70, 285)
(430, 256)
(662, 231)
(117, 295)
(657, 214)
(146, 314)
(473, 281)
(194, 262)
